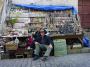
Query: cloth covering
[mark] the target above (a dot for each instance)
(48, 7)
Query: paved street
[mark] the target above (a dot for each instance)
(74, 60)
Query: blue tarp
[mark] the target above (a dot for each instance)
(48, 7)
(86, 41)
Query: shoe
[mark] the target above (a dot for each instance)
(36, 57)
(44, 58)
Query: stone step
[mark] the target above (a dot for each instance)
(78, 50)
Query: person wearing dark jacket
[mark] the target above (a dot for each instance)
(43, 42)
(36, 35)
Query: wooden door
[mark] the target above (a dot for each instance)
(84, 12)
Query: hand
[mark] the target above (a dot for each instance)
(36, 43)
(50, 46)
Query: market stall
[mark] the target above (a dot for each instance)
(61, 23)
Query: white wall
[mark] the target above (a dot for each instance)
(73, 3)
(49, 2)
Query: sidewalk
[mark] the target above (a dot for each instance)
(73, 60)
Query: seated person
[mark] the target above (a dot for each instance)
(42, 42)
(30, 42)
(37, 34)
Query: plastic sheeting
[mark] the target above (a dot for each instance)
(48, 7)
(86, 41)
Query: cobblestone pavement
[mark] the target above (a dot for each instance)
(74, 60)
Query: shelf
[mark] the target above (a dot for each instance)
(14, 36)
(36, 23)
(37, 17)
(26, 17)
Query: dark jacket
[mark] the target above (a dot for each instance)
(47, 40)
(36, 35)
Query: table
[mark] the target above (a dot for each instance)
(12, 51)
(58, 36)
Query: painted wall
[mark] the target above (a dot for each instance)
(1, 4)
(49, 2)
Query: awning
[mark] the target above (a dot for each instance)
(48, 7)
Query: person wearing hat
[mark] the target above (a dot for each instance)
(36, 34)
(43, 42)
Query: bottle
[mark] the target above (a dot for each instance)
(16, 41)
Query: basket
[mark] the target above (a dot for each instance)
(11, 46)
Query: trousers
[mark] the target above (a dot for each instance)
(38, 47)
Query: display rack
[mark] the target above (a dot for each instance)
(62, 22)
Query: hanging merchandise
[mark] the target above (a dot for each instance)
(60, 20)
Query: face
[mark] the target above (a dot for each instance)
(42, 33)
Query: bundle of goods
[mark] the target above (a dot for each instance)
(37, 19)
(60, 47)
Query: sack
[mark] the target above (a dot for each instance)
(86, 41)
